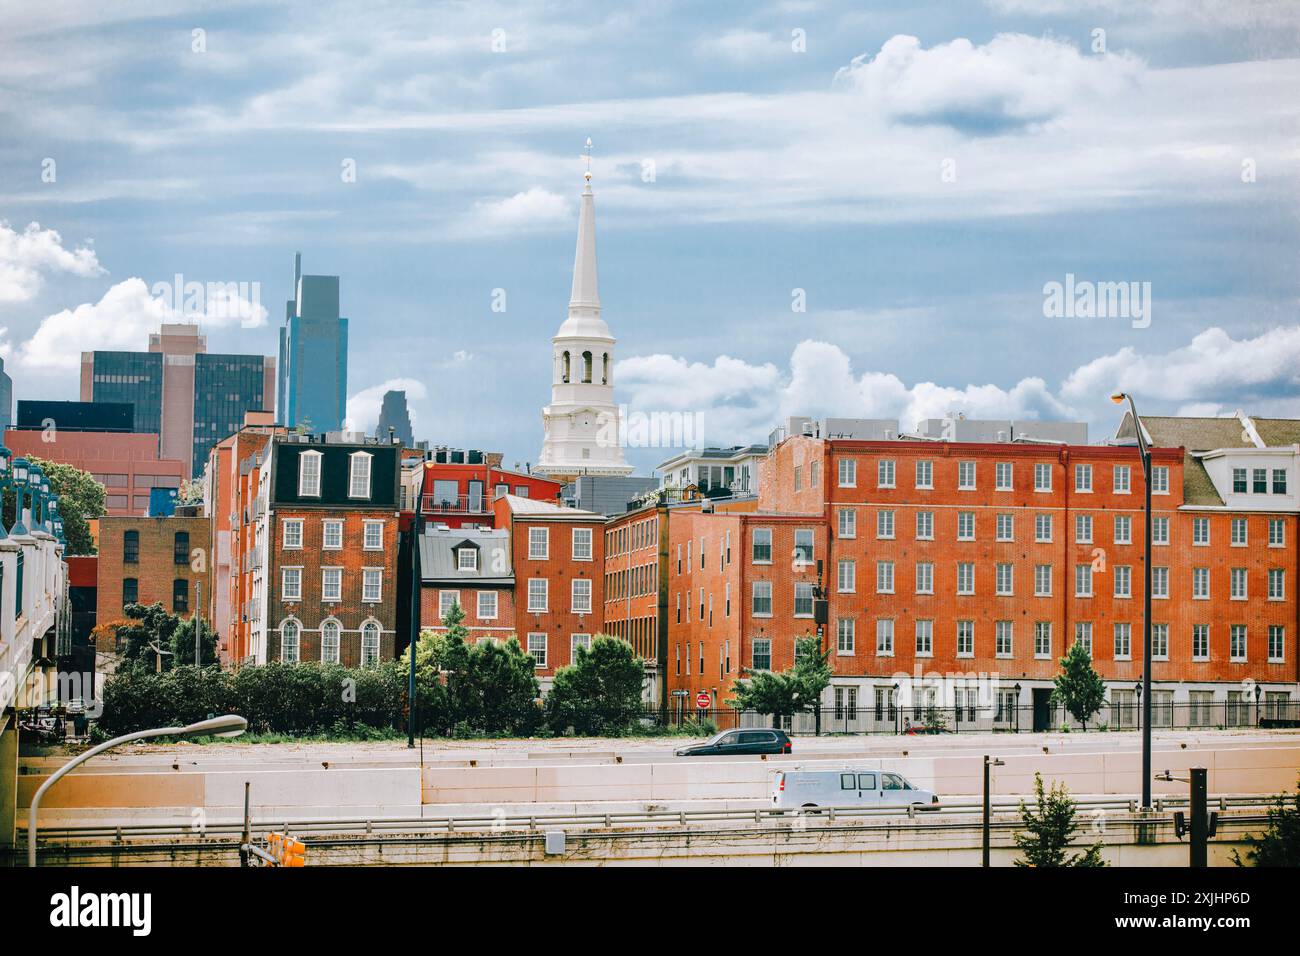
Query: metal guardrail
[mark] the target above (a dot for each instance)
(539, 822)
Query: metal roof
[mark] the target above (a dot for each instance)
(438, 556)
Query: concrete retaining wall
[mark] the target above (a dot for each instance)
(1257, 770)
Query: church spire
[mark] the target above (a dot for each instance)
(585, 295)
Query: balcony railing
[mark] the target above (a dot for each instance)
(457, 504)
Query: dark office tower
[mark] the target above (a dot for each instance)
(394, 414)
(312, 389)
(188, 397)
(6, 398)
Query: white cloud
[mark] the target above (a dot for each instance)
(122, 319)
(363, 407)
(127, 314)
(1213, 367)
(743, 46)
(27, 256)
(533, 209)
(1210, 376)
(1013, 79)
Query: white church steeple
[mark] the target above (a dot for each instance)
(581, 425)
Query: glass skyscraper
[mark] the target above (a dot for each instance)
(190, 398)
(313, 373)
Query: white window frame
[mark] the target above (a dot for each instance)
(338, 640)
(535, 607)
(578, 537)
(534, 552)
(537, 647)
(1001, 468)
(481, 613)
(579, 603)
(296, 524)
(357, 473)
(443, 607)
(1082, 478)
(966, 482)
(1042, 477)
(297, 641)
(325, 595)
(369, 654)
(372, 581)
(378, 528)
(286, 593)
(848, 472)
(309, 482)
(326, 525)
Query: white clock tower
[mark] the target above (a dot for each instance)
(581, 429)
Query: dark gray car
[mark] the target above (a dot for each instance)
(739, 742)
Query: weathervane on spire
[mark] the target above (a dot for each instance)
(587, 174)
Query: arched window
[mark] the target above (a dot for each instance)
(329, 642)
(586, 367)
(369, 643)
(565, 378)
(289, 642)
(604, 369)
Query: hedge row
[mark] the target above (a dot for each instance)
(298, 699)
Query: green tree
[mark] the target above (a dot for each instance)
(182, 644)
(147, 631)
(1280, 844)
(788, 692)
(81, 500)
(1078, 687)
(466, 689)
(1049, 827)
(599, 694)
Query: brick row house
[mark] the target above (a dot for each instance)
(151, 561)
(469, 567)
(323, 561)
(990, 558)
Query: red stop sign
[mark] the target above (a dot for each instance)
(702, 700)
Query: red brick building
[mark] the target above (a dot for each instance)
(125, 463)
(469, 567)
(461, 486)
(324, 554)
(558, 557)
(230, 486)
(990, 559)
(151, 560)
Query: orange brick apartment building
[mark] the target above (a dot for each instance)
(990, 558)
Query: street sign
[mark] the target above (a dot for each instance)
(702, 700)
(679, 693)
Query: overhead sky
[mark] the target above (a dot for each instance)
(847, 209)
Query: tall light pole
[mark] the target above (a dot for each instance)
(1144, 451)
(416, 575)
(229, 725)
(988, 762)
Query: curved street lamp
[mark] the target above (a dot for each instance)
(1144, 451)
(228, 725)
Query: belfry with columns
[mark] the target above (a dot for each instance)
(581, 427)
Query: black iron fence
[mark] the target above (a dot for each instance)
(1218, 715)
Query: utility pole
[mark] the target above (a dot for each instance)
(198, 623)
(1200, 823)
(988, 809)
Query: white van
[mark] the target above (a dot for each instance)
(847, 788)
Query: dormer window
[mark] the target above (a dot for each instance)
(467, 559)
(309, 474)
(359, 475)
